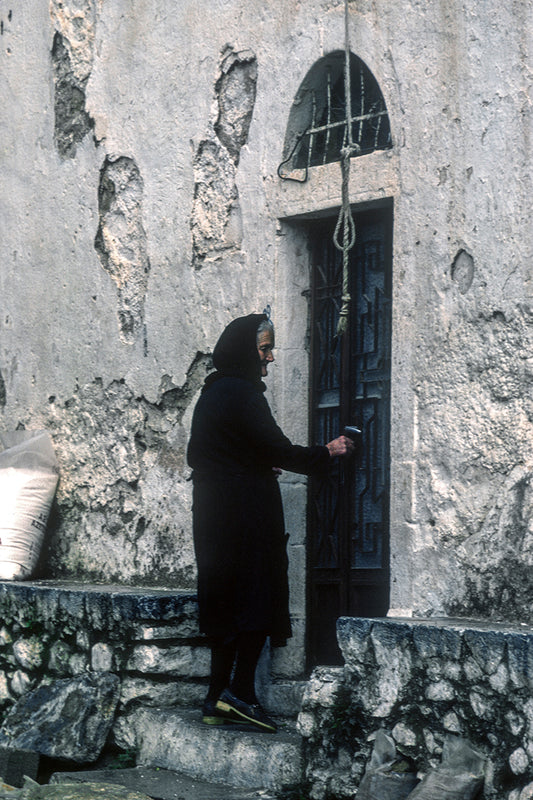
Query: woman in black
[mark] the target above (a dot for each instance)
(236, 451)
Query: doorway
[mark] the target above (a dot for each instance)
(348, 511)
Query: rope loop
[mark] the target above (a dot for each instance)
(346, 221)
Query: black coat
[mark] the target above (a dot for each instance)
(238, 526)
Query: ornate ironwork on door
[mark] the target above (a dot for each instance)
(349, 510)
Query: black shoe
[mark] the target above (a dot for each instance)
(210, 715)
(235, 710)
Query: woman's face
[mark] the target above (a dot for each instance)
(265, 345)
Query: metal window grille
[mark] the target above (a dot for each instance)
(325, 132)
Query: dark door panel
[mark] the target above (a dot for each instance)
(348, 546)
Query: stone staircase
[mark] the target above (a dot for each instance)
(150, 639)
(234, 755)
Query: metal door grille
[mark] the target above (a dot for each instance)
(348, 511)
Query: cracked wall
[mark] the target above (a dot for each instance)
(123, 488)
(121, 241)
(139, 162)
(476, 464)
(72, 59)
(216, 219)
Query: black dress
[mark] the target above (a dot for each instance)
(238, 526)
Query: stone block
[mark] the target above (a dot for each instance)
(520, 660)
(67, 719)
(297, 556)
(440, 691)
(294, 497)
(322, 688)
(487, 648)
(179, 660)
(283, 698)
(28, 652)
(188, 628)
(21, 682)
(157, 693)
(386, 635)
(75, 788)
(353, 637)
(101, 657)
(113, 608)
(5, 694)
(177, 740)
(59, 657)
(289, 661)
(77, 664)
(437, 641)
(5, 637)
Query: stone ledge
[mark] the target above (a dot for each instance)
(488, 645)
(149, 637)
(452, 623)
(102, 606)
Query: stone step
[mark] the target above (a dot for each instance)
(176, 739)
(161, 784)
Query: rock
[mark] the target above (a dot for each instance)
(68, 719)
(28, 652)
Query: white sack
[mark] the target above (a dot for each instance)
(28, 481)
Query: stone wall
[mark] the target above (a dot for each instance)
(423, 682)
(142, 210)
(149, 639)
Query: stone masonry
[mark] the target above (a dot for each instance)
(149, 638)
(423, 681)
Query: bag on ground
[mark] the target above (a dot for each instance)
(387, 776)
(459, 777)
(28, 481)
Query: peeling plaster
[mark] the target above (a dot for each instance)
(121, 241)
(235, 90)
(72, 122)
(72, 59)
(216, 219)
(462, 271)
(122, 508)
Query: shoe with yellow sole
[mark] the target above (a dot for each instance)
(232, 709)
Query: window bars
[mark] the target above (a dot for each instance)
(323, 106)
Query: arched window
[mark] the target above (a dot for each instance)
(317, 131)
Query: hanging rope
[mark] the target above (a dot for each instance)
(346, 220)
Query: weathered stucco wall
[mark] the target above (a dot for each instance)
(141, 211)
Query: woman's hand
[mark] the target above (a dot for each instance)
(342, 446)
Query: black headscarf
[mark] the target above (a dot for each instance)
(235, 354)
